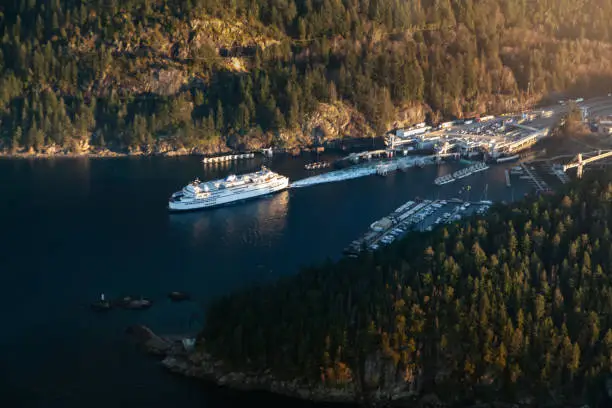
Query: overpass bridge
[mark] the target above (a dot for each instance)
(579, 162)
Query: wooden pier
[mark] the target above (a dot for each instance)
(538, 183)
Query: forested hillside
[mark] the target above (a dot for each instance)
(206, 73)
(514, 306)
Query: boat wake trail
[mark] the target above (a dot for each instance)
(351, 173)
(336, 175)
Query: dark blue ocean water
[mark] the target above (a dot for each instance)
(71, 229)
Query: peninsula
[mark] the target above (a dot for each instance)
(514, 306)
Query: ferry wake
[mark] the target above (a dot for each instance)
(363, 170)
(200, 195)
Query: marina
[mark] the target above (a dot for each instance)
(417, 215)
(227, 158)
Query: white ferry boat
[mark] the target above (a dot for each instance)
(198, 195)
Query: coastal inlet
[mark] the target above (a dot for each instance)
(77, 205)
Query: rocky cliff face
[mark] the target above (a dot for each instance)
(336, 121)
(162, 52)
(327, 123)
(386, 382)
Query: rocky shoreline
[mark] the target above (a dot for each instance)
(105, 153)
(179, 356)
(195, 363)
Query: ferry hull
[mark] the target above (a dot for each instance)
(196, 205)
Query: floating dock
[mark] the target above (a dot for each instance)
(227, 158)
(459, 174)
(448, 178)
(317, 165)
(420, 215)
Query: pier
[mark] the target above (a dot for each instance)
(557, 170)
(507, 174)
(539, 184)
(227, 158)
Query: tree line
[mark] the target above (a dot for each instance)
(517, 302)
(76, 72)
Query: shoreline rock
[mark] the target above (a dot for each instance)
(100, 154)
(156, 151)
(178, 355)
(176, 358)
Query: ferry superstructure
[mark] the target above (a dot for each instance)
(199, 195)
